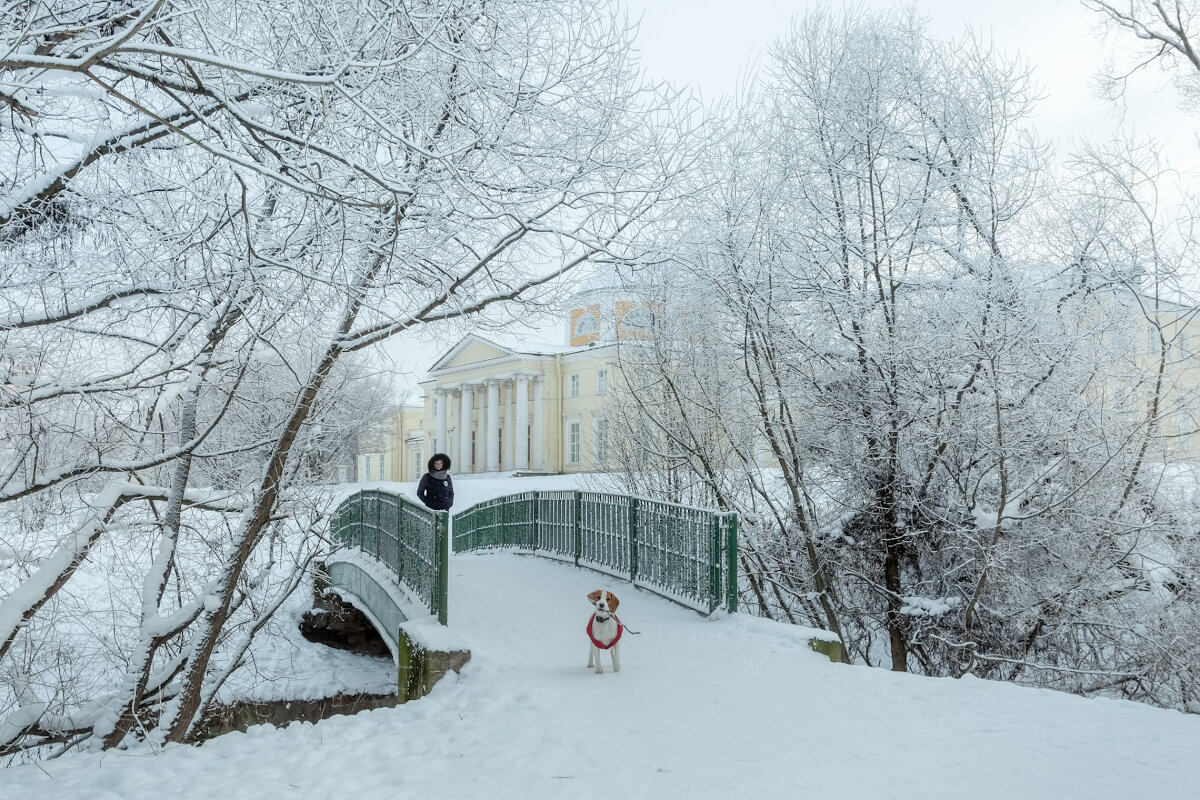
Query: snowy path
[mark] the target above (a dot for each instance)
(734, 709)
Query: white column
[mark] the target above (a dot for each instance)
(453, 411)
(522, 423)
(443, 445)
(537, 424)
(464, 431)
(493, 426)
(510, 426)
(439, 410)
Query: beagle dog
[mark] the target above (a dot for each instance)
(604, 630)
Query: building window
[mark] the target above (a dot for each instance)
(600, 443)
(573, 442)
(586, 325)
(573, 386)
(602, 382)
(381, 470)
(366, 468)
(637, 320)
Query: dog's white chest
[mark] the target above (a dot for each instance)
(604, 631)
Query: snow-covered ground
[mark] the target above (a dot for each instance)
(723, 708)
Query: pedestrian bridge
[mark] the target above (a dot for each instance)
(394, 563)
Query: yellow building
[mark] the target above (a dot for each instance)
(495, 407)
(1142, 360)
(393, 449)
(1174, 328)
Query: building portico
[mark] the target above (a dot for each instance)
(489, 424)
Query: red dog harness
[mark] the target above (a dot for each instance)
(595, 641)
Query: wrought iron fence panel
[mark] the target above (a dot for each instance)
(490, 524)
(408, 539)
(554, 526)
(687, 554)
(675, 548)
(604, 530)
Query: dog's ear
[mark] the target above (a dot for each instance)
(593, 596)
(613, 602)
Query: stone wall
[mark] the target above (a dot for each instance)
(240, 716)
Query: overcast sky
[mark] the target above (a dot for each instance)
(712, 44)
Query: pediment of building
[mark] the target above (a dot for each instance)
(471, 351)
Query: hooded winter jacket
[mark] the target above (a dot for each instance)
(436, 490)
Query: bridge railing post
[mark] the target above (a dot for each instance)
(441, 548)
(534, 527)
(577, 525)
(731, 561)
(633, 539)
(372, 501)
(505, 513)
(714, 568)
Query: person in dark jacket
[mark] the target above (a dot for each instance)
(436, 490)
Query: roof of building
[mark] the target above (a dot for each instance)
(509, 348)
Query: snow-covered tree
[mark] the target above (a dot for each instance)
(1159, 34)
(208, 208)
(958, 464)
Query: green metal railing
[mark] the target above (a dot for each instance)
(409, 539)
(683, 553)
